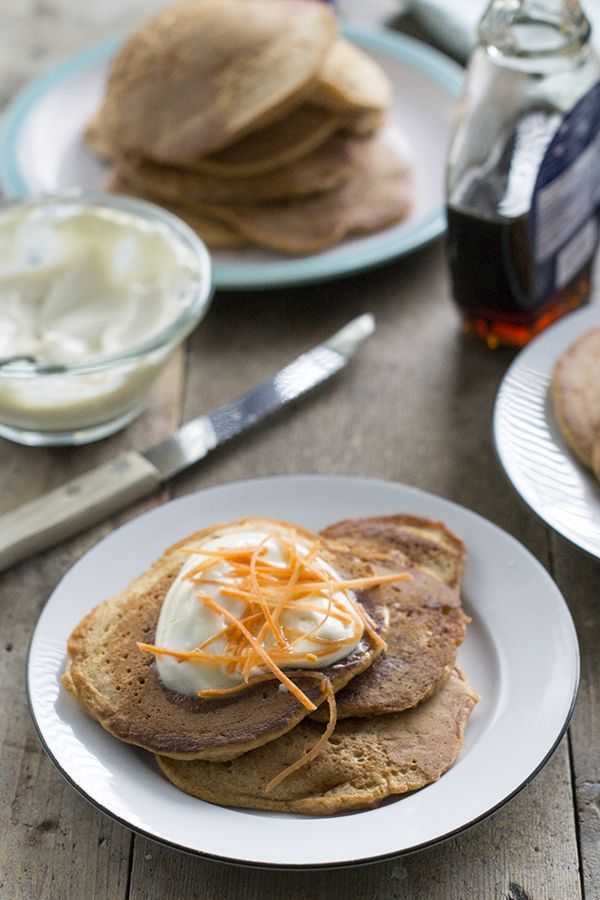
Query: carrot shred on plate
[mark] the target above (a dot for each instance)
(316, 747)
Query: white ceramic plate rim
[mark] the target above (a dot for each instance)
(533, 366)
(300, 841)
(391, 244)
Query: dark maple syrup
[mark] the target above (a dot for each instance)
(523, 180)
(493, 280)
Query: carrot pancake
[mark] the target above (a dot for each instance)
(324, 168)
(212, 232)
(350, 80)
(280, 143)
(200, 74)
(378, 194)
(365, 761)
(118, 683)
(576, 397)
(426, 619)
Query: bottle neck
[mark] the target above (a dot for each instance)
(526, 28)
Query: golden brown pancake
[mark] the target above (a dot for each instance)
(278, 144)
(427, 623)
(118, 685)
(365, 761)
(214, 233)
(576, 397)
(326, 167)
(201, 74)
(378, 195)
(596, 457)
(349, 80)
(96, 140)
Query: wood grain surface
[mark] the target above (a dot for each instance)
(415, 406)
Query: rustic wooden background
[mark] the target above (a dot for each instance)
(415, 407)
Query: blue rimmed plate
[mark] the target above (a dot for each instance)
(41, 149)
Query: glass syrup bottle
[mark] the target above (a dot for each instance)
(523, 180)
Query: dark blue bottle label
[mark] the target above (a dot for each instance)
(565, 211)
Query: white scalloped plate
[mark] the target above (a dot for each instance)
(530, 444)
(521, 653)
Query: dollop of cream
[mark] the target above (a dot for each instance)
(85, 282)
(79, 283)
(185, 622)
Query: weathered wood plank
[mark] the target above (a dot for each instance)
(52, 843)
(413, 411)
(579, 578)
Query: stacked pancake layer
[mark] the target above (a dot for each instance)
(401, 712)
(254, 121)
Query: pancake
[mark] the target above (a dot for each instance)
(365, 761)
(576, 397)
(118, 685)
(214, 233)
(379, 194)
(281, 143)
(596, 458)
(324, 168)
(96, 140)
(199, 75)
(349, 80)
(285, 143)
(426, 620)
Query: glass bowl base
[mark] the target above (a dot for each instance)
(71, 438)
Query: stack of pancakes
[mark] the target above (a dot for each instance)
(255, 122)
(401, 713)
(576, 398)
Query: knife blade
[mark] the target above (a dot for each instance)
(105, 490)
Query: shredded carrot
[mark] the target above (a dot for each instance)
(226, 692)
(259, 637)
(353, 584)
(266, 657)
(317, 747)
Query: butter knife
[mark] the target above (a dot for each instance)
(105, 490)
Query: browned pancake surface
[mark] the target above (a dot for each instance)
(576, 397)
(378, 194)
(280, 143)
(213, 232)
(350, 80)
(426, 620)
(200, 74)
(365, 760)
(118, 685)
(324, 168)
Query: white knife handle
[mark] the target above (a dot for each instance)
(76, 505)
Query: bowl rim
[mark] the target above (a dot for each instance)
(200, 290)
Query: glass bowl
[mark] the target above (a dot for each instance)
(46, 403)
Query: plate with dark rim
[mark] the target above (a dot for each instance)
(521, 654)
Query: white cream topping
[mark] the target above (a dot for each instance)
(87, 284)
(185, 622)
(78, 283)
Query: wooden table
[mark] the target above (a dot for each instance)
(414, 407)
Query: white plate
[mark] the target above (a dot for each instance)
(520, 652)
(531, 446)
(42, 150)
